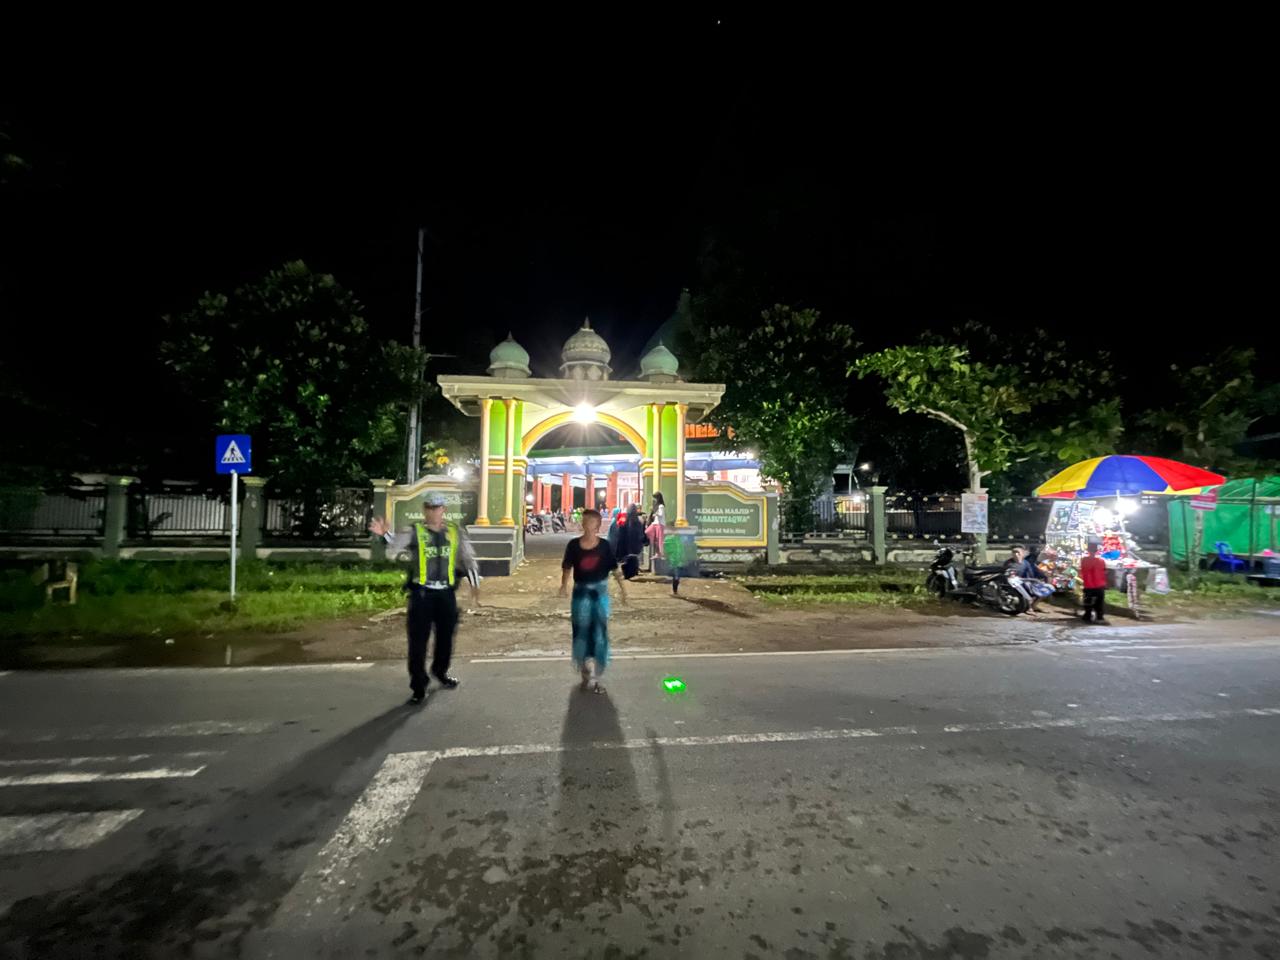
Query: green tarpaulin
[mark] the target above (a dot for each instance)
(1244, 506)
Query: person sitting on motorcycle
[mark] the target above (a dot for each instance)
(1020, 565)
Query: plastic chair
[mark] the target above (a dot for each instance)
(1226, 560)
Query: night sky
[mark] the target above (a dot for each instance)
(1110, 197)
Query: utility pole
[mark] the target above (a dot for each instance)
(411, 465)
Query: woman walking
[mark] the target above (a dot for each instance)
(591, 560)
(658, 519)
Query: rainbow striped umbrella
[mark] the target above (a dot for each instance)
(1120, 475)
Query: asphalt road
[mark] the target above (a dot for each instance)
(1119, 798)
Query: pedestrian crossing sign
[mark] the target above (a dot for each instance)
(233, 453)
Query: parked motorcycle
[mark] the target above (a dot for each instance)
(534, 523)
(557, 523)
(991, 585)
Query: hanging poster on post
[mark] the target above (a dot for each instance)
(973, 513)
(1158, 580)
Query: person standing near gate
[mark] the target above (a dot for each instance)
(440, 555)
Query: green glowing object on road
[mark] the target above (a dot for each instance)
(673, 684)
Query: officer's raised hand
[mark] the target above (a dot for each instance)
(378, 527)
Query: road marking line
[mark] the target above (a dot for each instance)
(676, 655)
(84, 761)
(789, 736)
(60, 831)
(205, 671)
(856, 733)
(97, 776)
(369, 823)
(198, 728)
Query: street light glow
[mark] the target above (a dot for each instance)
(584, 413)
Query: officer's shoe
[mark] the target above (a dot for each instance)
(448, 682)
(416, 699)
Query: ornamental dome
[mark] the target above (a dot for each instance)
(508, 360)
(585, 356)
(659, 365)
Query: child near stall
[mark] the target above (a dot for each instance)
(1093, 575)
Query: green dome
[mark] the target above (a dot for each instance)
(585, 356)
(659, 362)
(508, 359)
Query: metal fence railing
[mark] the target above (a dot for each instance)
(937, 517)
(341, 514)
(842, 516)
(922, 518)
(76, 511)
(168, 512)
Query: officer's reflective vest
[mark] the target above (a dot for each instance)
(422, 534)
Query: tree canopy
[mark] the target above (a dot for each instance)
(1208, 410)
(1030, 404)
(290, 359)
(785, 390)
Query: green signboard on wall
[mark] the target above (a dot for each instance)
(460, 508)
(727, 518)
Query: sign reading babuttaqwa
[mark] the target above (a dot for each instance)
(726, 515)
(973, 513)
(459, 508)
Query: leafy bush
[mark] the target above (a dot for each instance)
(18, 592)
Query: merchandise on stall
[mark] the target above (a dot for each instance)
(1073, 525)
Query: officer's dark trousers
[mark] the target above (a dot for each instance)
(427, 608)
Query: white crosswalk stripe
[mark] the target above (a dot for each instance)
(43, 832)
(52, 829)
(91, 761)
(198, 728)
(96, 776)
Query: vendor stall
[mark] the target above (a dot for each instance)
(1095, 497)
(1074, 524)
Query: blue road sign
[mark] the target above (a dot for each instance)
(233, 453)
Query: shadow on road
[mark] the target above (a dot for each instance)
(201, 888)
(598, 814)
(718, 606)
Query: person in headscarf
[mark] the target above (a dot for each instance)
(633, 539)
(616, 528)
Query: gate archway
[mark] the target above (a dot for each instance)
(516, 409)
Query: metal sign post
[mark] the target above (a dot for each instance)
(235, 487)
(233, 454)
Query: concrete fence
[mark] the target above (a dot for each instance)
(120, 517)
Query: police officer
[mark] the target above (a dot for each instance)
(439, 554)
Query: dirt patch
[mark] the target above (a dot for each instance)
(523, 615)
